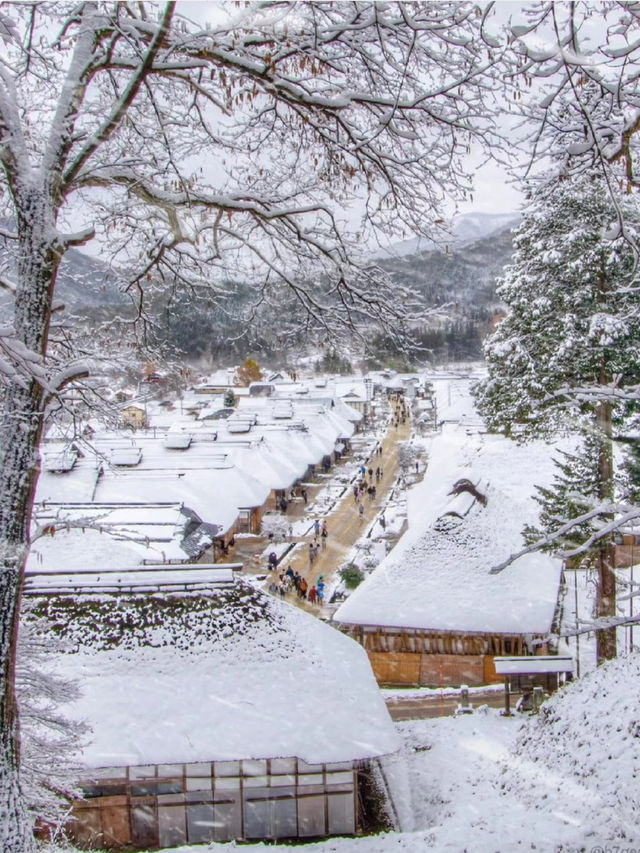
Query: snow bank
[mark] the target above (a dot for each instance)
(586, 743)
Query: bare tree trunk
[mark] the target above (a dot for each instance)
(606, 589)
(21, 430)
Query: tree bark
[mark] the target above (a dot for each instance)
(606, 645)
(21, 430)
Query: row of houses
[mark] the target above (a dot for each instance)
(186, 485)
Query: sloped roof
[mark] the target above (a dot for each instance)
(437, 577)
(235, 674)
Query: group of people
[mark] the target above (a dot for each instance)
(290, 580)
(400, 412)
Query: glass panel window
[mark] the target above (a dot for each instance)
(256, 781)
(303, 767)
(147, 790)
(254, 767)
(170, 770)
(283, 765)
(341, 810)
(108, 789)
(311, 817)
(147, 772)
(284, 820)
(169, 786)
(172, 828)
(277, 781)
(144, 827)
(227, 823)
(199, 796)
(108, 773)
(340, 765)
(202, 768)
(200, 828)
(227, 768)
(199, 784)
(340, 778)
(257, 819)
(226, 783)
(170, 799)
(310, 779)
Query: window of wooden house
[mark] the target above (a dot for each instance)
(257, 813)
(172, 825)
(144, 830)
(311, 811)
(227, 820)
(341, 813)
(284, 815)
(200, 823)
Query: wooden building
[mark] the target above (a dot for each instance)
(433, 613)
(216, 712)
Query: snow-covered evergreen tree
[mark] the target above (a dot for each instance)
(573, 492)
(569, 347)
(630, 474)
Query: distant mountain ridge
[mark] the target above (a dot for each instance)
(462, 273)
(464, 229)
(83, 282)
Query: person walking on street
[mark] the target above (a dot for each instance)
(361, 511)
(324, 532)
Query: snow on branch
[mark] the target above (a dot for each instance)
(623, 515)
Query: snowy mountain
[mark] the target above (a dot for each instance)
(83, 282)
(464, 229)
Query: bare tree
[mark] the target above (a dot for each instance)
(190, 152)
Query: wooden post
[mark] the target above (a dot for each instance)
(507, 697)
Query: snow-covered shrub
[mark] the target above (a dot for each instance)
(276, 527)
(351, 575)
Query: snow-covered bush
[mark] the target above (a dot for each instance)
(586, 742)
(276, 527)
(351, 575)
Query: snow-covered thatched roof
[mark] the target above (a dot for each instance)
(437, 577)
(229, 675)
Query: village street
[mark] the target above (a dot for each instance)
(344, 523)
